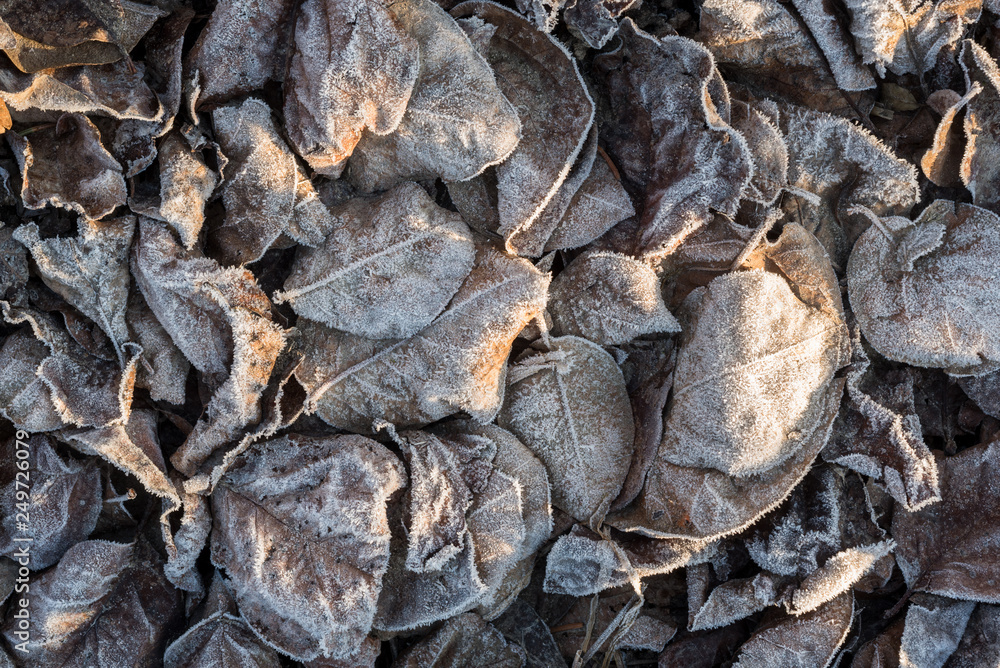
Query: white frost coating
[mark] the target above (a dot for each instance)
(388, 268)
(807, 641)
(980, 167)
(838, 574)
(934, 627)
(569, 405)
(836, 44)
(219, 640)
(925, 291)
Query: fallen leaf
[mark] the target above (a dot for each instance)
(978, 169)
(465, 640)
(162, 367)
(810, 640)
(934, 626)
(981, 643)
(24, 397)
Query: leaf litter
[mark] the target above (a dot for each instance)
(548, 333)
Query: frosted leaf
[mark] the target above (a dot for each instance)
(457, 122)
(162, 367)
(934, 627)
(133, 142)
(942, 312)
(610, 299)
(647, 633)
(104, 605)
(116, 90)
(878, 433)
(13, 265)
(89, 182)
(523, 626)
(241, 49)
(844, 166)
(264, 190)
(220, 640)
(307, 576)
(984, 390)
(942, 163)
(882, 651)
(556, 113)
(593, 21)
(90, 271)
(839, 574)
(543, 13)
(463, 641)
(389, 267)
(670, 136)
(836, 43)
(807, 641)
(582, 563)
(63, 502)
(754, 394)
(947, 548)
(568, 403)
(766, 45)
(457, 363)
(703, 650)
(186, 183)
(133, 448)
(187, 543)
(600, 203)
(768, 151)
(980, 646)
(44, 35)
(24, 397)
(85, 391)
(737, 599)
(354, 68)
(979, 171)
(906, 38)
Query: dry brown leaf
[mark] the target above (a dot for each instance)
(458, 121)
(906, 37)
(768, 150)
(979, 170)
(186, 183)
(90, 271)
(25, 399)
(556, 113)
(241, 49)
(62, 503)
(162, 368)
(264, 190)
(942, 163)
(389, 267)
(610, 299)
(463, 642)
(924, 291)
(568, 403)
(90, 182)
(672, 140)
(980, 645)
(105, 605)
(44, 35)
(947, 548)
(593, 21)
(307, 576)
(806, 641)
(354, 68)
(754, 394)
(460, 358)
(934, 627)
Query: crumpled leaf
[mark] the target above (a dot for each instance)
(934, 627)
(90, 183)
(104, 605)
(672, 140)
(521, 625)
(221, 321)
(556, 113)
(768, 150)
(923, 290)
(458, 121)
(62, 502)
(38, 36)
(766, 44)
(844, 166)
(762, 394)
(980, 646)
(459, 358)
(307, 576)
(24, 397)
(905, 38)
(90, 271)
(807, 641)
(883, 650)
(220, 639)
(389, 267)
(593, 21)
(354, 68)
(241, 49)
(463, 641)
(610, 299)
(162, 367)
(264, 190)
(979, 171)
(568, 403)
(942, 164)
(946, 548)
(878, 433)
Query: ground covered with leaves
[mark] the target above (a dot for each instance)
(427, 334)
